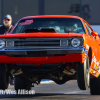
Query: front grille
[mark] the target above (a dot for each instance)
(38, 43)
(33, 42)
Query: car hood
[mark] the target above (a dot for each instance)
(39, 34)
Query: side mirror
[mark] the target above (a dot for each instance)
(94, 33)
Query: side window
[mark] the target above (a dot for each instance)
(89, 29)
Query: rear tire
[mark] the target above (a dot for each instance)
(21, 83)
(95, 86)
(4, 77)
(83, 75)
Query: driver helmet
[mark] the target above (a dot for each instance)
(57, 28)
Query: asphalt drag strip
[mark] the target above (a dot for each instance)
(53, 91)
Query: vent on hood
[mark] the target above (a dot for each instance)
(40, 30)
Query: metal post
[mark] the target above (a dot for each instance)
(80, 8)
(1, 10)
(41, 7)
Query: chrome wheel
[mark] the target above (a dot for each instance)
(83, 75)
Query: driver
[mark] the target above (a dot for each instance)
(71, 27)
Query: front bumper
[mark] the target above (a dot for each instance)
(48, 51)
(55, 56)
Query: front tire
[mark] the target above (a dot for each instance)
(83, 75)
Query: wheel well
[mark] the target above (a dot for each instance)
(90, 55)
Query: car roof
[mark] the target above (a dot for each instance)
(47, 16)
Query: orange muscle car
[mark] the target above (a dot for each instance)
(57, 47)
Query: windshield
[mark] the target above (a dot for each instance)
(61, 25)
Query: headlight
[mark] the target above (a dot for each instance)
(2, 43)
(64, 42)
(75, 42)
